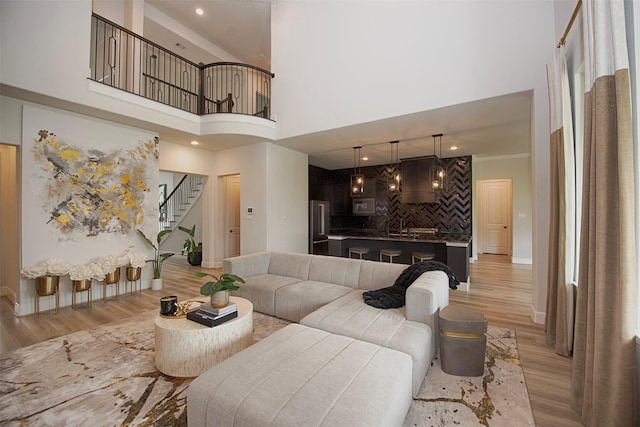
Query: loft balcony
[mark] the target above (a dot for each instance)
(123, 60)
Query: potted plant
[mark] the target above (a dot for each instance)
(194, 251)
(218, 289)
(158, 258)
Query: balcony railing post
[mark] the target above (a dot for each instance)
(201, 110)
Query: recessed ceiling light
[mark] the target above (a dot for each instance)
(199, 11)
(453, 148)
(194, 142)
(365, 158)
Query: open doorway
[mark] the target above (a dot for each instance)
(231, 215)
(494, 216)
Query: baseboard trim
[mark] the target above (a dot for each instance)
(464, 286)
(537, 317)
(212, 264)
(521, 261)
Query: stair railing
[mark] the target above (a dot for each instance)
(178, 202)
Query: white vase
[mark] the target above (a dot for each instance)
(156, 284)
(220, 299)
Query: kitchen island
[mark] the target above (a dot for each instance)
(452, 249)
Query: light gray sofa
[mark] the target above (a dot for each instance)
(325, 293)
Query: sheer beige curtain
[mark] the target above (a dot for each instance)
(560, 292)
(604, 380)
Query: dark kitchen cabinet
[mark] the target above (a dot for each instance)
(339, 196)
(416, 180)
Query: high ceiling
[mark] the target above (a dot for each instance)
(491, 127)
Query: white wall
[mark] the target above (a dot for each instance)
(375, 59)
(518, 168)
(38, 240)
(273, 182)
(288, 188)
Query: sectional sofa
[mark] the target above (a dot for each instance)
(389, 351)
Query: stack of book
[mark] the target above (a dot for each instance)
(210, 316)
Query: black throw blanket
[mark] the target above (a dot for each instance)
(394, 296)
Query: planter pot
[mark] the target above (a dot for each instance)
(133, 273)
(113, 277)
(220, 299)
(156, 284)
(47, 285)
(81, 285)
(194, 258)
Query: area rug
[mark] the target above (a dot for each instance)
(106, 377)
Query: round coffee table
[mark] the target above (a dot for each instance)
(184, 348)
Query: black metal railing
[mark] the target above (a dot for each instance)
(126, 61)
(178, 201)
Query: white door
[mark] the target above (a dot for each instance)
(495, 216)
(232, 216)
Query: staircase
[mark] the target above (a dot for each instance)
(180, 201)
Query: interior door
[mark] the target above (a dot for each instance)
(495, 221)
(232, 216)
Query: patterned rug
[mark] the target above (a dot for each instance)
(106, 377)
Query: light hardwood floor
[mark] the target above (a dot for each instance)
(500, 290)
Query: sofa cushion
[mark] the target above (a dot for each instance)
(377, 275)
(290, 265)
(301, 376)
(339, 271)
(261, 291)
(350, 316)
(295, 301)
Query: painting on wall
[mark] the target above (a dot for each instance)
(87, 191)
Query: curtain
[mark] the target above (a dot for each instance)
(562, 248)
(604, 377)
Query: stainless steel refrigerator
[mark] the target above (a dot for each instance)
(319, 227)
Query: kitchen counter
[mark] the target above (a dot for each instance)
(452, 249)
(450, 239)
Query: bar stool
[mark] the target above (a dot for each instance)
(358, 251)
(389, 253)
(422, 256)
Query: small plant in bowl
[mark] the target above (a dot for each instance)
(218, 289)
(193, 249)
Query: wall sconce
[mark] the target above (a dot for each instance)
(394, 180)
(357, 179)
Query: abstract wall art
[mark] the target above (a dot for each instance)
(89, 191)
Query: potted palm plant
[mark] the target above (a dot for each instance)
(218, 289)
(158, 258)
(193, 249)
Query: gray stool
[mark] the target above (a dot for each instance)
(389, 253)
(358, 251)
(422, 256)
(462, 341)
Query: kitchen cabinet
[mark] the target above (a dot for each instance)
(340, 199)
(416, 180)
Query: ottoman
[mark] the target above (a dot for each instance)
(304, 376)
(462, 341)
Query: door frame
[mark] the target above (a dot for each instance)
(481, 219)
(225, 213)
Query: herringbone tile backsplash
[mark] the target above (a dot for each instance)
(451, 214)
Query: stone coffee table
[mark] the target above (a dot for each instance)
(184, 348)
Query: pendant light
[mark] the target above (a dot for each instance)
(357, 179)
(394, 180)
(438, 173)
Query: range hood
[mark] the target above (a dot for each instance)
(416, 180)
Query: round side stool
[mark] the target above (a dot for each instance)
(462, 341)
(358, 251)
(389, 253)
(422, 256)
